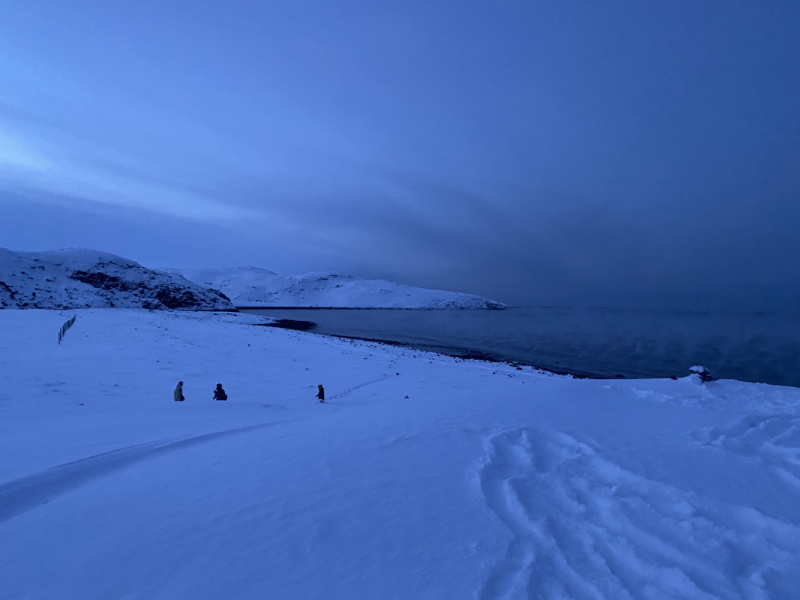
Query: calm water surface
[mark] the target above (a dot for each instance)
(759, 347)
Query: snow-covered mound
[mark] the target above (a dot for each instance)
(79, 278)
(254, 287)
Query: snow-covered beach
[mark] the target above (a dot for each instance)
(422, 476)
(399, 300)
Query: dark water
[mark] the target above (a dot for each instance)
(759, 347)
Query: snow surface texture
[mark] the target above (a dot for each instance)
(252, 287)
(485, 482)
(78, 278)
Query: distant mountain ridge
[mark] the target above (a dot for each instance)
(253, 287)
(82, 278)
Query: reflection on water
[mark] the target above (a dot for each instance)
(761, 347)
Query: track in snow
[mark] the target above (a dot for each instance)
(584, 528)
(22, 495)
(349, 391)
(773, 439)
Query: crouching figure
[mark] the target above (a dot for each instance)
(219, 393)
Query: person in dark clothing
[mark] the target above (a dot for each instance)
(321, 393)
(178, 395)
(219, 393)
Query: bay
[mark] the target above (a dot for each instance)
(594, 342)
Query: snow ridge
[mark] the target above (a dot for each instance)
(79, 278)
(254, 287)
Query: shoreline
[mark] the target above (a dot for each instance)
(451, 351)
(368, 308)
(467, 354)
(586, 344)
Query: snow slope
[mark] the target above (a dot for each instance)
(253, 287)
(79, 278)
(422, 476)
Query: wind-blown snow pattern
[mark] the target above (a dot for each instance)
(252, 287)
(586, 528)
(79, 278)
(422, 476)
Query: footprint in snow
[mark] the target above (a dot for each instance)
(584, 528)
(772, 439)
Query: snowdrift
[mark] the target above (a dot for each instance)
(252, 287)
(79, 278)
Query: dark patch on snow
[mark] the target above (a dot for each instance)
(11, 292)
(172, 297)
(292, 324)
(103, 281)
(177, 298)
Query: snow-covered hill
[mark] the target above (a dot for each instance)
(421, 476)
(79, 278)
(254, 287)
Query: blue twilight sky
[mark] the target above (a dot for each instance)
(597, 153)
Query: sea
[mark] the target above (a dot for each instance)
(761, 347)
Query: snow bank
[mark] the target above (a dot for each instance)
(79, 278)
(252, 287)
(422, 476)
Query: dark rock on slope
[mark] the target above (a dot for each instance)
(77, 278)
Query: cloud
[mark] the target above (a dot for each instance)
(536, 154)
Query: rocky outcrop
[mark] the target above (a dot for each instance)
(701, 374)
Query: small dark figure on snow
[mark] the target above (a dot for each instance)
(219, 393)
(178, 395)
(321, 393)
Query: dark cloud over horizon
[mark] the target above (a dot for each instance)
(537, 153)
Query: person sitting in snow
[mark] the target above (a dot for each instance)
(219, 393)
(321, 393)
(179, 392)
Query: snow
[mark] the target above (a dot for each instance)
(81, 278)
(253, 287)
(487, 482)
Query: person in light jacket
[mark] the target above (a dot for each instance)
(178, 395)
